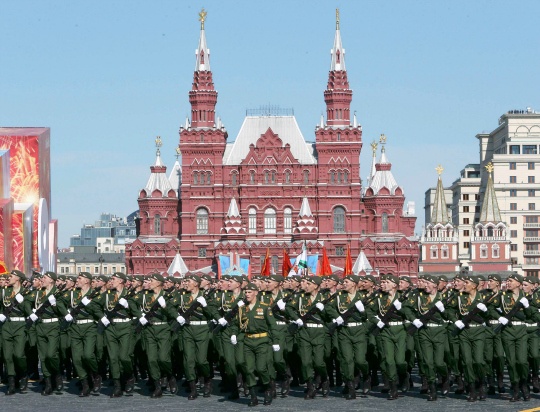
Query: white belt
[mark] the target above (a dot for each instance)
(313, 325)
(350, 324)
(158, 323)
(120, 320)
(279, 322)
(476, 326)
(493, 322)
(83, 321)
(433, 325)
(51, 320)
(199, 322)
(517, 323)
(530, 325)
(17, 319)
(395, 323)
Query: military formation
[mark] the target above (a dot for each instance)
(353, 333)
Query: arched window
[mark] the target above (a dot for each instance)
(266, 177)
(287, 220)
(287, 176)
(273, 176)
(306, 176)
(346, 176)
(269, 221)
(275, 264)
(195, 178)
(252, 176)
(339, 220)
(252, 220)
(340, 177)
(495, 251)
(202, 221)
(434, 252)
(483, 251)
(157, 224)
(233, 179)
(332, 177)
(444, 251)
(384, 221)
(208, 178)
(490, 231)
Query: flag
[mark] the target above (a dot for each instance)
(348, 262)
(286, 267)
(265, 271)
(302, 259)
(324, 268)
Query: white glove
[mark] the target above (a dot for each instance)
(202, 301)
(319, 306)
(359, 306)
(143, 321)
(105, 321)
(299, 322)
(482, 307)
(397, 304)
(34, 317)
(503, 320)
(233, 340)
(459, 324)
(275, 348)
(52, 300)
(2, 318)
(181, 320)
(222, 322)
(19, 298)
(68, 318)
(338, 321)
(440, 306)
(85, 301)
(123, 302)
(281, 304)
(380, 324)
(418, 323)
(161, 301)
(241, 303)
(524, 302)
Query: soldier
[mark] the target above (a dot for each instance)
(406, 286)
(530, 284)
(494, 353)
(32, 358)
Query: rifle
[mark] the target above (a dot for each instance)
(44, 307)
(515, 309)
(190, 311)
(387, 316)
(469, 317)
(426, 317)
(78, 309)
(15, 303)
(293, 327)
(230, 315)
(351, 311)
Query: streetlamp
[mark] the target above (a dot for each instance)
(101, 260)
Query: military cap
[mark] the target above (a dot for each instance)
(102, 278)
(276, 278)
(244, 278)
(251, 286)
(443, 278)
(52, 275)
(194, 278)
(459, 276)
(482, 278)
(470, 278)
(353, 278)
(61, 277)
(19, 274)
(314, 279)
(295, 278)
(495, 277)
(225, 277)
(238, 279)
(334, 278)
(392, 278)
(369, 278)
(431, 278)
(72, 278)
(531, 279)
(168, 279)
(516, 277)
(86, 275)
(157, 276)
(207, 277)
(406, 279)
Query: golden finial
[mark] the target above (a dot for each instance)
(337, 19)
(489, 168)
(202, 17)
(158, 145)
(374, 145)
(178, 152)
(439, 170)
(382, 139)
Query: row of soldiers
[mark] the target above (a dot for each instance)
(305, 328)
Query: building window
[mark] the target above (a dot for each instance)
(306, 176)
(530, 179)
(208, 178)
(513, 233)
(531, 219)
(157, 224)
(266, 177)
(444, 251)
(339, 219)
(466, 221)
(275, 264)
(434, 252)
(466, 233)
(287, 177)
(340, 251)
(332, 177)
(287, 220)
(532, 206)
(466, 209)
(346, 176)
(195, 178)
(233, 179)
(513, 179)
(339, 137)
(531, 192)
(466, 245)
(513, 247)
(513, 220)
(202, 252)
(465, 197)
(530, 149)
(273, 176)
(252, 220)
(495, 251)
(269, 221)
(339, 176)
(513, 206)
(483, 251)
(512, 165)
(513, 192)
(384, 221)
(252, 176)
(202, 221)
(530, 165)
(514, 149)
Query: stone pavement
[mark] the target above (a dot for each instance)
(140, 401)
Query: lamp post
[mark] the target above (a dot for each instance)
(101, 260)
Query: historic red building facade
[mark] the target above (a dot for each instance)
(269, 189)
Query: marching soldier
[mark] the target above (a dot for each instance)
(494, 353)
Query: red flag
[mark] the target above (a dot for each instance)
(266, 269)
(348, 262)
(326, 270)
(286, 267)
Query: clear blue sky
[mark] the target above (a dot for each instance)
(109, 76)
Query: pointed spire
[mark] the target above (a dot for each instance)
(321, 125)
(158, 162)
(233, 209)
(440, 210)
(337, 52)
(202, 53)
(305, 210)
(490, 207)
(383, 176)
(372, 171)
(355, 121)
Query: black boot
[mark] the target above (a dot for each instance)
(351, 392)
(23, 384)
(130, 384)
(325, 388)
(424, 388)
(386, 386)
(472, 393)
(85, 391)
(285, 386)
(59, 383)
(158, 392)
(234, 395)
(392, 391)
(460, 387)
(47, 390)
(366, 385)
(268, 395)
(374, 378)
(445, 388)
(273, 388)
(117, 389)
(310, 393)
(192, 390)
(535, 384)
(253, 393)
(432, 395)
(207, 389)
(525, 390)
(11, 385)
(491, 386)
(404, 382)
(96, 382)
(500, 383)
(515, 392)
(481, 391)
(171, 383)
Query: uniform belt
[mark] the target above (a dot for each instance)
(395, 323)
(256, 335)
(433, 325)
(17, 319)
(51, 320)
(313, 325)
(279, 322)
(120, 320)
(530, 325)
(493, 322)
(476, 325)
(517, 323)
(351, 324)
(198, 322)
(157, 323)
(83, 321)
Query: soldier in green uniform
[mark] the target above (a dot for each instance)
(530, 283)
(66, 364)
(256, 321)
(32, 357)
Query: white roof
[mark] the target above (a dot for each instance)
(305, 210)
(253, 127)
(233, 209)
(175, 175)
(362, 264)
(338, 54)
(202, 62)
(158, 180)
(178, 265)
(383, 178)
